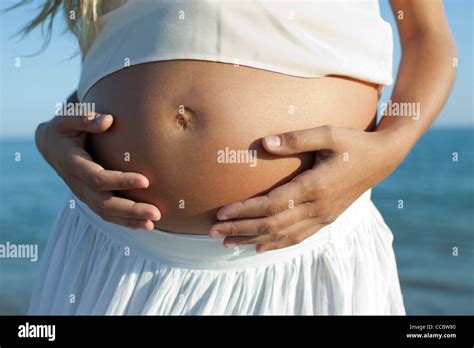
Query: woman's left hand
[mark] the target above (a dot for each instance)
(347, 163)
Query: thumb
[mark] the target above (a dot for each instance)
(306, 140)
(92, 123)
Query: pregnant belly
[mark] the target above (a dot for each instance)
(193, 128)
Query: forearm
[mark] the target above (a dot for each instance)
(424, 80)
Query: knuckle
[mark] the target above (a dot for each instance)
(232, 228)
(267, 227)
(97, 182)
(329, 132)
(124, 184)
(133, 210)
(238, 210)
(305, 187)
(271, 208)
(295, 239)
(311, 209)
(282, 237)
(293, 140)
(320, 189)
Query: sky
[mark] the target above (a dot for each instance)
(31, 85)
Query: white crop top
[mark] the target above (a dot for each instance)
(310, 38)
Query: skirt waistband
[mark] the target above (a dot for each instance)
(201, 251)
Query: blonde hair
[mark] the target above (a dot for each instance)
(80, 15)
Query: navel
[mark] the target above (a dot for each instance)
(185, 117)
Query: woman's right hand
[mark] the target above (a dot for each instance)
(62, 140)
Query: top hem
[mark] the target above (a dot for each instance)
(82, 91)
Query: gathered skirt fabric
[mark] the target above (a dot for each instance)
(93, 267)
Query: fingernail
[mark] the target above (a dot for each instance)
(139, 184)
(229, 245)
(215, 234)
(98, 119)
(273, 141)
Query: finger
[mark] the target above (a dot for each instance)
(281, 198)
(130, 223)
(126, 208)
(288, 235)
(99, 179)
(231, 242)
(292, 235)
(307, 140)
(265, 226)
(106, 204)
(145, 224)
(92, 123)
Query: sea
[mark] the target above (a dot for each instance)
(428, 202)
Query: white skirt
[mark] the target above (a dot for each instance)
(91, 266)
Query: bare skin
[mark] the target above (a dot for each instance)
(222, 106)
(329, 187)
(335, 184)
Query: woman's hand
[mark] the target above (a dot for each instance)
(347, 163)
(61, 141)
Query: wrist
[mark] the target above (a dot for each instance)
(391, 149)
(396, 140)
(42, 140)
(39, 137)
